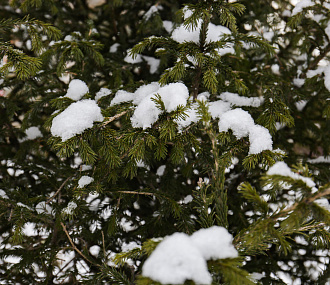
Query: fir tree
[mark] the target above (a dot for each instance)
(125, 124)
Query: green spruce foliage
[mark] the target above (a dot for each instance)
(93, 207)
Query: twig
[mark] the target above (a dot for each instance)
(114, 118)
(73, 245)
(306, 200)
(58, 190)
(139, 193)
(104, 254)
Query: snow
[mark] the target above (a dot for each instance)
(327, 77)
(175, 260)
(180, 257)
(84, 180)
(101, 93)
(75, 119)
(260, 139)
(77, 89)
(214, 243)
(152, 62)
(161, 170)
(237, 100)
(43, 208)
(3, 194)
(69, 208)
(301, 5)
(95, 3)
(129, 59)
(192, 117)
(32, 133)
(146, 112)
(238, 120)
(181, 34)
(168, 26)
(114, 48)
(94, 250)
(320, 159)
(242, 125)
(281, 168)
(217, 108)
(153, 9)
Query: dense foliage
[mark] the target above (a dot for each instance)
(92, 206)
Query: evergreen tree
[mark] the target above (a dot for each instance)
(169, 142)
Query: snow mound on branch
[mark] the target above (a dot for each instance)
(240, 101)
(327, 77)
(146, 112)
(281, 168)
(301, 5)
(32, 133)
(180, 257)
(102, 93)
(242, 125)
(75, 119)
(84, 180)
(214, 243)
(181, 34)
(77, 89)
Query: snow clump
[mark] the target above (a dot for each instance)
(32, 133)
(301, 5)
(146, 112)
(180, 257)
(84, 180)
(77, 89)
(242, 125)
(75, 119)
(281, 168)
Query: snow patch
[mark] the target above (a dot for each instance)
(77, 89)
(84, 180)
(75, 119)
(281, 168)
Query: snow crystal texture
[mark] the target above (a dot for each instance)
(75, 119)
(180, 257)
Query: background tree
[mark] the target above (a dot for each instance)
(99, 162)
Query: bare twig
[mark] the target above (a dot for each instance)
(114, 118)
(74, 246)
(58, 190)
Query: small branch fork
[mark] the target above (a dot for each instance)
(306, 200)
(58, 190)
(74, 246)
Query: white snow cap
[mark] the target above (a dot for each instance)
(75, 119)
(301, 5)
(102, 92)
(237, 100)
(181, 34)
(146, 112)
(327, 77)
(77, 89)
(180, 257)
(32, 133)
(175, 260)
(214, 243)
(85, 180)
(281, 168)
(242, 125)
